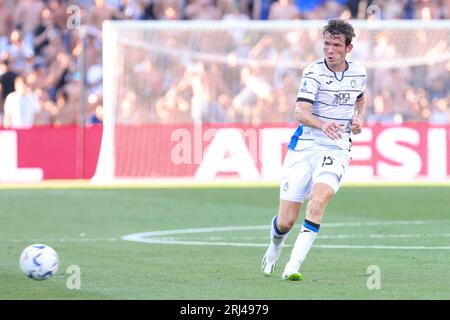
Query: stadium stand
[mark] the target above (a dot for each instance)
(38, 41)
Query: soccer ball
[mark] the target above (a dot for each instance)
(39, 261)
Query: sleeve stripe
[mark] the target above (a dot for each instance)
(308, 92)
(312, 79)
(305, 100)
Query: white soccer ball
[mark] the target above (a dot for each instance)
(39, 261)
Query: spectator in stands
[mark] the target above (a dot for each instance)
(202, 10)
(128, 110)
(7, 78)
(427, 10)
(26, 18)
(101, 12)
(36, 43)
(232, 11)
(445, 9)
(20, 106)
(67, 102)
(259, 9)
(131, 9)
(206, 84)
(45, 116)
(172, 107)
(5, 24)
(58, 10)
(16, 49)
(392, 9)
(382, 110)
(58, 74)
(284, 94)
(311, 9)
(255, 92)
(420, 109)
(358, 8)
(333, 8)
(284, 10)
(169, 9)
(440, 113)
(96, 117)
(44, 31)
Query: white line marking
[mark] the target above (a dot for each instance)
(266, 227)
(383, 247)
(243, 244)
(61, 240)
(155, 236)
(328, 236)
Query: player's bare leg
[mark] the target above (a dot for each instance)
(321, 194)
(281, 224)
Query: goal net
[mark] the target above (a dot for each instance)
(166, 81)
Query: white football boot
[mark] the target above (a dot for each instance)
(269, 261)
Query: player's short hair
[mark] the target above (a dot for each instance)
(336, 27)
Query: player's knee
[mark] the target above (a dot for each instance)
(285, 223)
(288, 214)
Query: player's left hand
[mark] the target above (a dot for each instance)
(356, 125)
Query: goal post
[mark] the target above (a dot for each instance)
(163, 80)
(106, 163)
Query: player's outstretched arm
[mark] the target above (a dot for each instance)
(303, 115)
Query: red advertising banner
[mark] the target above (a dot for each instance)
(210, 151)
(67, 152)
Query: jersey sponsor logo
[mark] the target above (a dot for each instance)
(341, 98)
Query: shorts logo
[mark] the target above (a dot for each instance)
(286, 187)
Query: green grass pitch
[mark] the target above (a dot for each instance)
(405, 231)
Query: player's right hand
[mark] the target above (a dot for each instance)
(333, 129)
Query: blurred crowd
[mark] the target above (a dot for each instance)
(41, 82)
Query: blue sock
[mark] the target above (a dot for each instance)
(277, 237)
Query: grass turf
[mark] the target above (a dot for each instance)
(85, 227)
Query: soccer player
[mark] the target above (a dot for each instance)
(330, 106)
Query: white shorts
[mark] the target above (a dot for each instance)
(302, 169)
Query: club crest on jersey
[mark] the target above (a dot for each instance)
(304, 87)
(353, 83)
(341, 98)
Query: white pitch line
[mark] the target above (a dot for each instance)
(332, 236)
(266, 227)
(331, 246)
(178, 239)
(243, 244)
(155, 236)
(61, 240)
